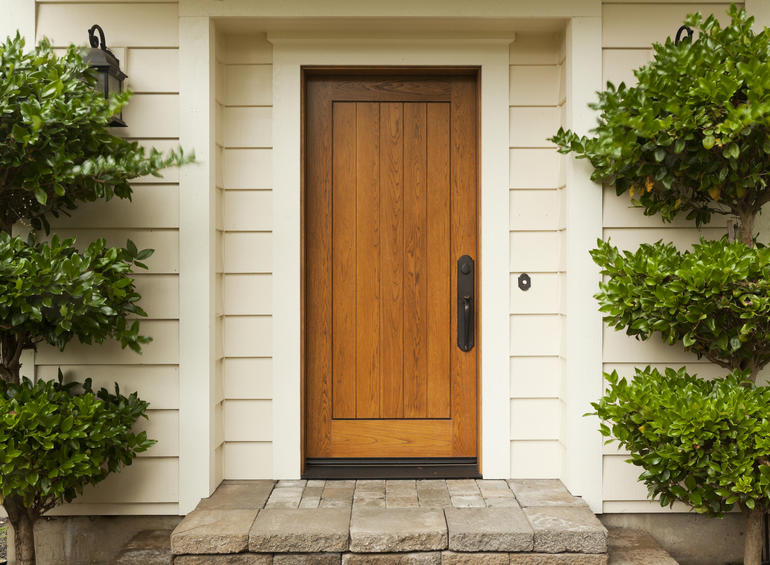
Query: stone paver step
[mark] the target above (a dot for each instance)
(380, 530)
(451, 522)
(280, 530)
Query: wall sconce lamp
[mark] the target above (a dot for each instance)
(109, 76)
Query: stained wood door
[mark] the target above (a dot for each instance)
(390, 206)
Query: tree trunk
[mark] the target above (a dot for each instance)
(747, 228)
(23, 522)
(752, 546)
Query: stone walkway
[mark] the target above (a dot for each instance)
(451, 522)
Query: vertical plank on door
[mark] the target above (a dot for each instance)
(344, 259)
(318, 273)
(438, 261)
(415, 251)
(368, 260)
(392, 260)
(464, 182)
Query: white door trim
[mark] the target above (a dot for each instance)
(290, 53)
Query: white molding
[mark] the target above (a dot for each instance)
(197, 206)
(289, 54)
(584, 226)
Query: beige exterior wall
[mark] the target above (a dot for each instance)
(145, 37)
(537, 231)
(147, 48)
(628, 33)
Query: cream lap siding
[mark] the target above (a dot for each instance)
(246, 164)
(629, 29)
(536, 241)
(145, 38)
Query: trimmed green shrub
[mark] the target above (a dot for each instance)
(713, 299)
(56, 438)
(705, 443)
(56, 150)
(693, 136)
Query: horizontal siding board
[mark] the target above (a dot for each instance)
(151, 115)
(151, 206)
(543, 296)
(642, 507)
(618, 212)
(157, 384)
(164, 349)
(160, 295)
(169, 175)
(531, 127)
(116, 509)
(163, 427)
(639, 25)
(702, 369)
(682, 238)
(247, 127)
(66, 23)
(620, 480)
(165, 259)
(536, 251)
(248, 420)
(536, 168)
(152, 70)
(248, 460)
(248, 336)
(247, 168)
(618, 64)
(535, 418)
(536, 209)
(246, 252)
(536, 377)
(622, 348)
(248, 210)
(534, 85)
(535, 335)
(248, 85)
(248, 378)
(248, 294)
(149, 479)
(536, 459)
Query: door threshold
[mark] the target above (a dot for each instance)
(408, 468)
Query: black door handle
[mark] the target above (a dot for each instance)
(465, 299)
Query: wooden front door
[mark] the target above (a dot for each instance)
(390, 206)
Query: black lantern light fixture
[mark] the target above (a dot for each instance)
(108, 74)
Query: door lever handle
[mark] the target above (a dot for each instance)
(465, 296)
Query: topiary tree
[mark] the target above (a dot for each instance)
(714, 300)
(56, 153)
(693, 138)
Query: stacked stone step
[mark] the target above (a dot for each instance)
(391, 522)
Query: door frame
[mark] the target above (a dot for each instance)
(291, 54)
